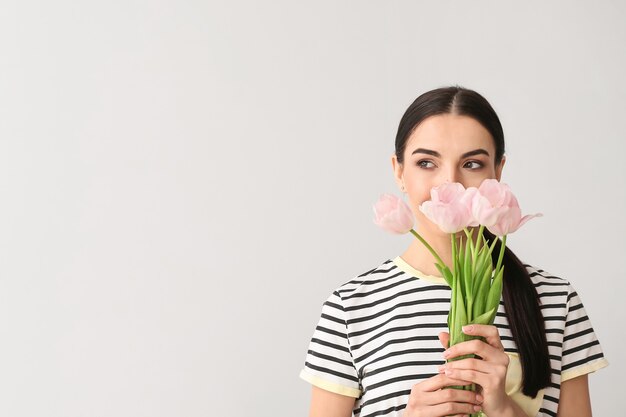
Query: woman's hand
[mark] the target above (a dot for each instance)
(428, 399)
(488, 372)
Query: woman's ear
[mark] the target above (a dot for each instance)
(397, 171)
(499, 167)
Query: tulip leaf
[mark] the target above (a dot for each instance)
(488, 274)
(493, 246)
(485, 241)
(470, 242)
(467, 273)
(482, 262)
(480, 304)
(452, 312)
(495, 292)
(483, 318)
(460, 318)
(457, 269)
(493, 316)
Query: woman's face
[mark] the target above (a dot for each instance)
(442, 148)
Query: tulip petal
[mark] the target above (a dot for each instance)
(393, 215)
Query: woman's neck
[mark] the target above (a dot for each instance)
(420, 258)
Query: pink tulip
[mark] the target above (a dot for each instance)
(393, 215)
(450, 207)
(491, 201)
(495, 207)
(511, 219)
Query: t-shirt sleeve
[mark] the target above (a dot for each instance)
(329, 364)
(582, 353)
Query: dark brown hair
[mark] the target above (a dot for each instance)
(520, 297)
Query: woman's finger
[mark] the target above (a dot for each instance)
(444, 338)
(475, 346)
(451, 408)
(438, 382)
(453, 395)
(468, 363)
(489, 332)
(495, 377)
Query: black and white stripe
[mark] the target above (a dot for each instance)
(377, 337)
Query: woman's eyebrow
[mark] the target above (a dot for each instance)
(438, 155)
(475, 152)
(426, 151)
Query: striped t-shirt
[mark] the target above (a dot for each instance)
(377, 337)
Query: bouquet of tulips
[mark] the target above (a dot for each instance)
(475, 282)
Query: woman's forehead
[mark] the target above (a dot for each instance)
(450, 134)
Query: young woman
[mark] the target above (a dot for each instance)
(378, 349)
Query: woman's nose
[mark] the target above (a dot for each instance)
(452, 175)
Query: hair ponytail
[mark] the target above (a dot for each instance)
(525, 320)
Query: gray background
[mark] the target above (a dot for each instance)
(185, 182)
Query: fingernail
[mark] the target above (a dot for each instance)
(446, 353)
(468, 329)
(477, 407)
(479, 398)
(448, 372)
(442, 368)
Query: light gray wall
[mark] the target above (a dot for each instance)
(184, 182)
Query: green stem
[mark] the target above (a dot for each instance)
(481, 229)
(469, 243)
(502, 246)
(421, 239)
(453, 241)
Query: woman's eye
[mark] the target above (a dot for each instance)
(425, 164)
(473, 164)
